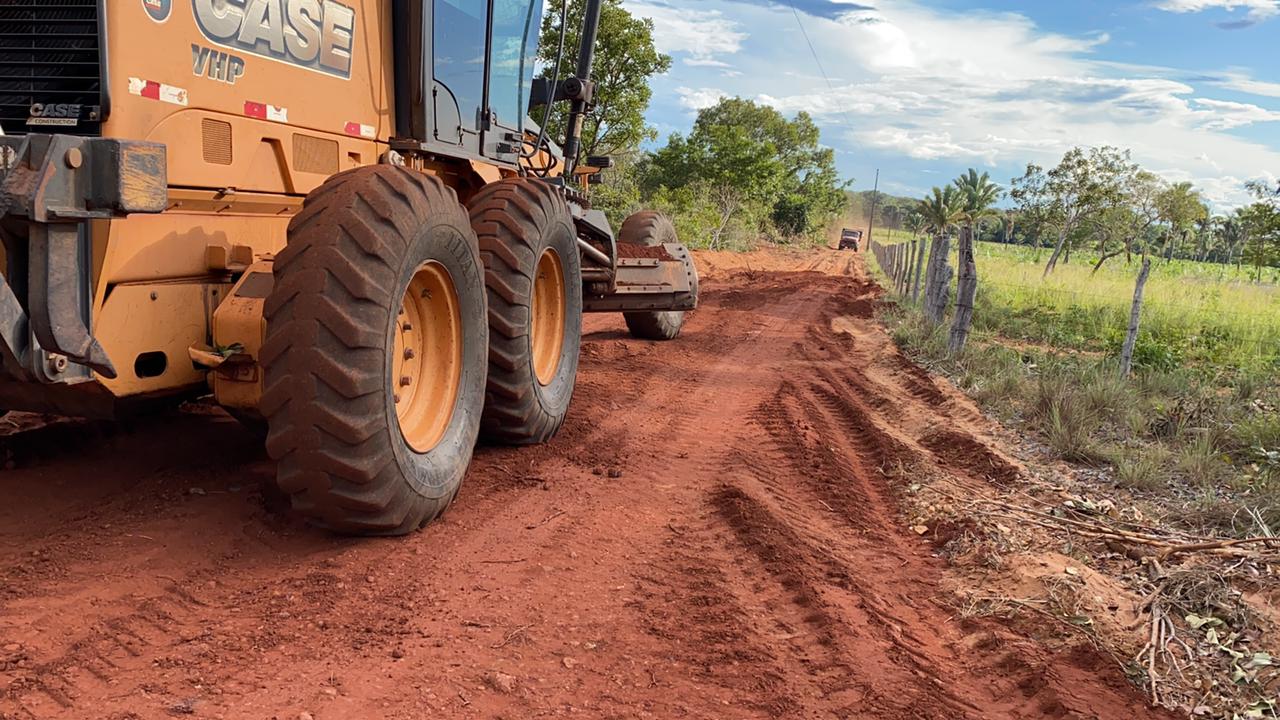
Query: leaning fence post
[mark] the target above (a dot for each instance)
(1135, 314)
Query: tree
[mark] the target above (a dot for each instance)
(940, 211)
(1260, 224)
(1230, 234)
(1129, 215)
(1202, 231)
(913, 222)
(1082, 184)
(784, 179)
(891, 217)
(1006, 224)
(625, 59)
(978, 196)
(1180, 208)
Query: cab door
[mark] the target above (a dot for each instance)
(459, 34)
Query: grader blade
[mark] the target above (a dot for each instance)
(658, 277)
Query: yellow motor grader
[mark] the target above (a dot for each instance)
(337, 217)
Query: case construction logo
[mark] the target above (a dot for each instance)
(314, 34)
(158, 9)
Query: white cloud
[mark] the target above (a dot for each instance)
(706, 62)
(1245, 84)
(699, 98)
(699, 35)
(987, 88)
(1258, 9)
(1225, 115)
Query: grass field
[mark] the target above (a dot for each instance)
(1196, 428)
(1194, 314)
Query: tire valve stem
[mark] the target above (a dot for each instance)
(396, 398)
(405, 380)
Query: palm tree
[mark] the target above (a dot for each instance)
(978, 197)
(913, 222)
(940, 211)
(1231, 230)
(1206, 235)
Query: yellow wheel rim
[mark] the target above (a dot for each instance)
(426, 370)
(547, 325)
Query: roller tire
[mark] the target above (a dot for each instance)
(342, 458)
(650, 228)
(515, 221)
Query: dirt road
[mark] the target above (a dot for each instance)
(714, 534)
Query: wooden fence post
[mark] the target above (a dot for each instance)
(897, 266)
(966, 291)
(905, 268)
(1135, 314)
(931, 271)
(938, 287)
(911, 263)
(915, 290)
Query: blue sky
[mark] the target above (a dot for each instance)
(923, 89)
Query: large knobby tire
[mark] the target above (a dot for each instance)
(534, 279)
(371, 435)
(650, 228)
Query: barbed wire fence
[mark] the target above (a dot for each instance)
(904, 262)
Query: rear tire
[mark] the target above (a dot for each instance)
(650, 228)
(335, 359)
(529, 247)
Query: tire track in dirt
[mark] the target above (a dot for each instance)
(746, 561)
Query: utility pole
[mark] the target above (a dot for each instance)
(871, 221)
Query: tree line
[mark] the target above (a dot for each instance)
(1098, 200)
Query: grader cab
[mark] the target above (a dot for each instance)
(336, 217)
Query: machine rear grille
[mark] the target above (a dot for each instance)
(49, 55)
(216, 136)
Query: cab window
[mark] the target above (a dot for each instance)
(458, 29)
(515, 45)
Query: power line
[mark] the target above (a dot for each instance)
(818, 61)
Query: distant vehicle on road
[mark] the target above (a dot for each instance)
(849, 239)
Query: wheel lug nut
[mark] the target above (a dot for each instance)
(405, 380)
(408, 353)
(406, 327)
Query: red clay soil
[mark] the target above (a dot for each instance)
(712, 535)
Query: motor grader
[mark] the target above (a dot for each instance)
(340, 219)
